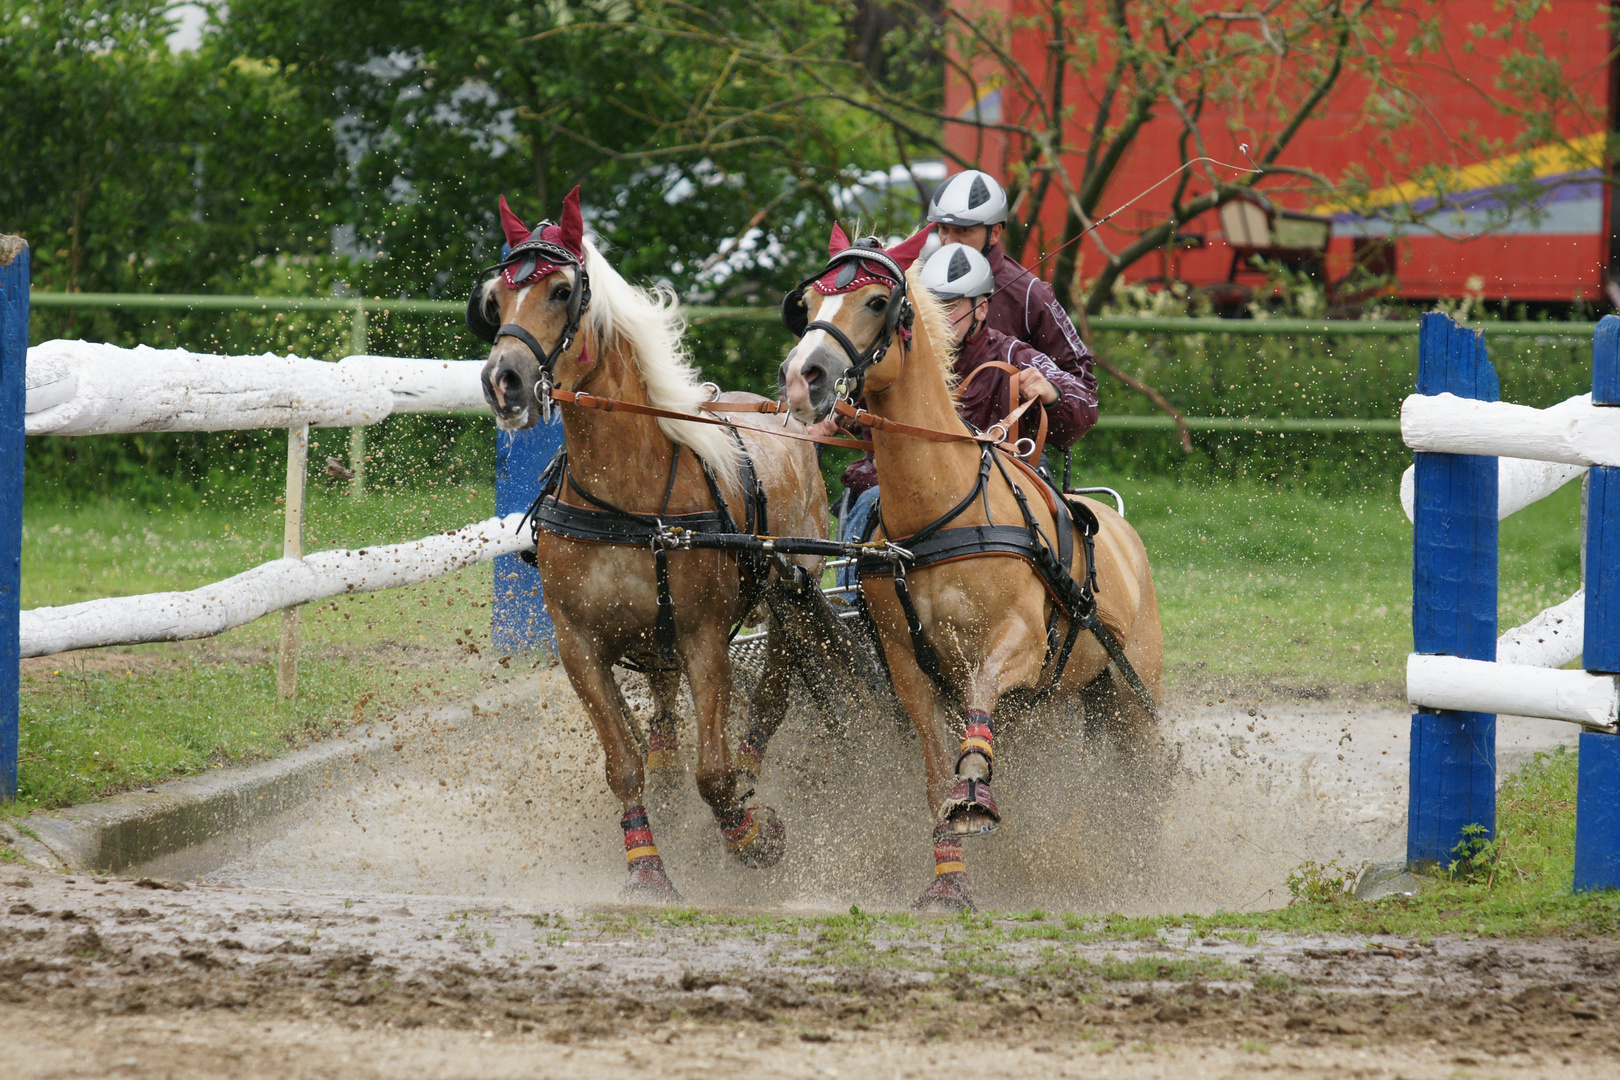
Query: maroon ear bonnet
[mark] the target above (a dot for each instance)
(569, 234)
(857, 273)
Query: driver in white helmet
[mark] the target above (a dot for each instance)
(960, 278)
(971, 208)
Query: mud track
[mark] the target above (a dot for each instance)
(120, 977)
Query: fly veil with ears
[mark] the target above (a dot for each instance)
(547, 248)
(850, 267)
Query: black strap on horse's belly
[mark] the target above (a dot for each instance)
(962, 542)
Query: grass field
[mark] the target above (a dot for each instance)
(1260, 586)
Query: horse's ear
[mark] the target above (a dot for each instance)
(512, 225)
(838, 242)
(906, 251)
(795, 312)
(572, 224)
(483, 312)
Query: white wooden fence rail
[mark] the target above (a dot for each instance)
(278, 584)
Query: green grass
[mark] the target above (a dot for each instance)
(101, 721)
(1268, 585)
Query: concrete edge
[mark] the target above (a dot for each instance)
(124, 831)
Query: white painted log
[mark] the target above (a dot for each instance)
(1519, 482)
(142, 389)
(1552, 639)
(1574, 432)
(281, 583)
(424, 386)
(1447, 682)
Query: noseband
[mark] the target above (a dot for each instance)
(897, 317)
(525, 258)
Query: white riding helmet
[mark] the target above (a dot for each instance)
(969, 198)
(956, 271)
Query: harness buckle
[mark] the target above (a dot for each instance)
(542, 396)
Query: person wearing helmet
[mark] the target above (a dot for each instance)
(960, 277)
(971, 208)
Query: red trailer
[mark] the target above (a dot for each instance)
(1557, 248)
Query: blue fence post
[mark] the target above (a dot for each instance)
(520, 622)
(1597, 799)
(1453, 762)
(13, 390)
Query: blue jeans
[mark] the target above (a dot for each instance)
(853, 526)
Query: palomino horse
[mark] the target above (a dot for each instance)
(985, 621)
(559, 316)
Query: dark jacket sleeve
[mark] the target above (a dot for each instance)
(1076, 408)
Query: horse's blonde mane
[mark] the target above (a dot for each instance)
(931, 322)
(649, 322)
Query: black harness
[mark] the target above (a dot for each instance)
(605, 523)
(934, 543)
(525, 257)
(897, 316)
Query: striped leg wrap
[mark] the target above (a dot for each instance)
(661, 745)
(751, 755)
(947, 853)
(950, 890)
(738, 828)
(977, 738)
(646, 867)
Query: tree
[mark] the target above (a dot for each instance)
(131, 168)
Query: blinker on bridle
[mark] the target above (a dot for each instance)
(524, 259)
(898, 314)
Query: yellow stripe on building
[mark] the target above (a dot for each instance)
(1554, 159)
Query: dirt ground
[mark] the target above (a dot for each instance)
(121, 977)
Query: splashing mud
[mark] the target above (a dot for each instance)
(514, 805)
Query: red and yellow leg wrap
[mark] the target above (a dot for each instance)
(738, 828)
(640, 853)
(751, 758)
(978, 738)
(950, 890)
(661, 745)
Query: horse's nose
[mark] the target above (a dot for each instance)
(506, 385)
(798, 377)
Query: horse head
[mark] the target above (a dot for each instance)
(530, 312)
(847, 317)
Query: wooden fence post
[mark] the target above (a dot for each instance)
(1597, 799)
(359, 345)
(1453, 754)
(13, 392)
(292, 547)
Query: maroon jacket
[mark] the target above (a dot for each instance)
(1025, 307)
(984, 403)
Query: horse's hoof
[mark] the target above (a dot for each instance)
(971, 809)
(950, 894)
(649, 885)
(759, 841)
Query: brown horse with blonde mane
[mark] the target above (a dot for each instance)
(984, 620)
(558, 316)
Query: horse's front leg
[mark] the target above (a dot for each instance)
(754, 834)
(591, 674)
(664, 770)
(950, 890)
(1012, 660)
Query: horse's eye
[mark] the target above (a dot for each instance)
(878, 303)
(560, 294)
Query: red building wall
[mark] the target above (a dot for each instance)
(1561, 254)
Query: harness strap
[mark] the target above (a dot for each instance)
(602, 404)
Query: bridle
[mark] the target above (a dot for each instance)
(897, 316)
(524, 259)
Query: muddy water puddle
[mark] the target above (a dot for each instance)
(513, 805)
